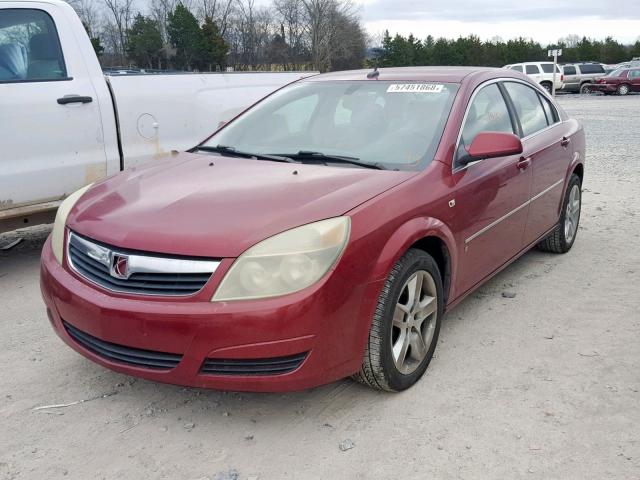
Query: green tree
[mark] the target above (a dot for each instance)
(214, 48)
(95, 41)
(186, 37)
(144, 45)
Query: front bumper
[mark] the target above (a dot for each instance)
(326, 324)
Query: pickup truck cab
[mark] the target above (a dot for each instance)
(65, 125)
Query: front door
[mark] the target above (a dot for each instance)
(491, 195)
(52, 144)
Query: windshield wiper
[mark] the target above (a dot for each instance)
(304, 155)
(232, 152)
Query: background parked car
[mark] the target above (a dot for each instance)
(622, 81)
(579, 77)
(540, 72)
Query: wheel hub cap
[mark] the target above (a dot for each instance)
(414, 322)
(572, 215)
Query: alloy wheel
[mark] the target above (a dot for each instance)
(572, 215)
(414, 322)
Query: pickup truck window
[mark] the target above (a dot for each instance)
(29, 47)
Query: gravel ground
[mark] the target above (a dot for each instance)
(543, 385)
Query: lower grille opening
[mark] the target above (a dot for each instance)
(253, 366)
(122, 354)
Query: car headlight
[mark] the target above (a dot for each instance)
(286, 262)
(57, 235)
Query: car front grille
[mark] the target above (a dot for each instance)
(145, 273)
(263, 366)
(122, 354)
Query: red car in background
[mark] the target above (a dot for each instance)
(621, 81)
(321, 234)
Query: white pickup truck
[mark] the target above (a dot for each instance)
(64, 124)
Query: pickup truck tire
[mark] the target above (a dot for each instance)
(546, 86)
(586, 88)
(623, 89)
(561, 239)
(403, 321)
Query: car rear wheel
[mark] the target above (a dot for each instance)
(561, 239)
(546, 86)
(405, 327)
(586, 89)
(623, 89)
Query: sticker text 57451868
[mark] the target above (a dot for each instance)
(415, 88)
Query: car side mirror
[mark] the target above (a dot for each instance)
(491, 145)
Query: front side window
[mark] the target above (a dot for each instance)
(532, 70)
(487, 113)
(528, 107)
(29, 46)
(396, 125)
(634, 73)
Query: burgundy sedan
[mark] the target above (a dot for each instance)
(321, 234)
(621, 81)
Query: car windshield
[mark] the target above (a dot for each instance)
(617, 72)
(394, 125)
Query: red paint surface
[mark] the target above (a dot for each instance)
(184, 206)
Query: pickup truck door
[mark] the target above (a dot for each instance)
(51, 135)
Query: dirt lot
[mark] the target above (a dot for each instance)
(544, 385)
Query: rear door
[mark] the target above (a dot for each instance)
(492, 195)
(547, 146)
(51, 135)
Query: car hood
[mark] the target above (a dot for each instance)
(208, 205)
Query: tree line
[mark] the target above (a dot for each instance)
(399, 50)
(210, 35)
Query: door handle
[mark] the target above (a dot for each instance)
(74, 99)
(523, 163)
(565, 141)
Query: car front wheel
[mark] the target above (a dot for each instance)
(561, 239)
(405, 327)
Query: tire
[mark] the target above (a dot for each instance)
(586, 89)
(561, 239)
(401, 322)
(546, 86)
(623, 89)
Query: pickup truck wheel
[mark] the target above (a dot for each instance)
(405, 327)
(546, 86)
(586, 88)
(561, 239)
(623, 89)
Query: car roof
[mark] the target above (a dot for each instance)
(432, 74)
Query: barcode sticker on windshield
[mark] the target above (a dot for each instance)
(415, 88)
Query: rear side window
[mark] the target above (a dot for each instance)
(29, 47)
(516, 67)
(591, 68)
(549, 110)
(569, 70)
(547, 67)
(528, 107)
(487, 113)
(532, 69)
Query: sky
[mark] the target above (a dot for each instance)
(543, 20)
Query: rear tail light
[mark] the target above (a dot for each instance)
(562, 78)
